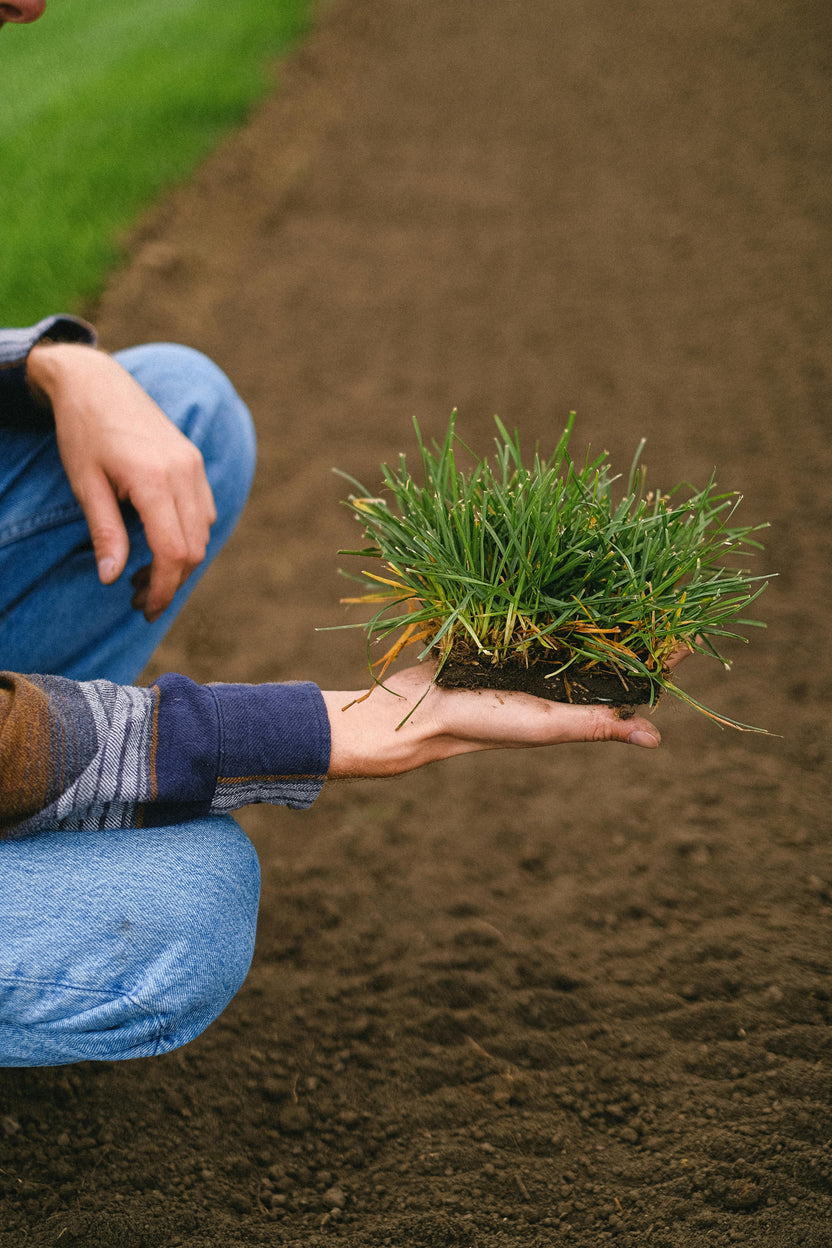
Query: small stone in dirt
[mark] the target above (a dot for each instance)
(358, 1027)
(273, 1089)
(741, 1194)
(240, 1164)
(294, 1119)
(334, 1198)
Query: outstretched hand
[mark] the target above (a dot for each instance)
(116, 446)
(370, 739)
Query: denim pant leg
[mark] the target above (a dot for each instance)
(122, 944)
(55, 616)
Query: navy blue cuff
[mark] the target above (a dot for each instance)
(185, 749)
(272, 732)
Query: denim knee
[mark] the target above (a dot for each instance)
(205, 940)
(123, 944)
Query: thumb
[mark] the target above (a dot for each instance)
(109, 536)
(602, 723)
(563, 722)
(638, 731)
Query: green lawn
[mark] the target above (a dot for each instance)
(102, 106)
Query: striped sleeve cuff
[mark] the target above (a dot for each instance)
(223, 746)
(274, 744)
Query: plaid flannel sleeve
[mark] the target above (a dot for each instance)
(94, 755)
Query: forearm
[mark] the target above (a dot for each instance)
(93, 754)
(74, 372)
(53, 368)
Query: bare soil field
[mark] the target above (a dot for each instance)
(577, 996)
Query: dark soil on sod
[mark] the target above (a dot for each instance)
(579, 686)
(578, 996)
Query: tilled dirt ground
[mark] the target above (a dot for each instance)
(566, 997)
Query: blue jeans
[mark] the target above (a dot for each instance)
(115, 944)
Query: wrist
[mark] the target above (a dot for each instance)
(376, 735)
(48, 365)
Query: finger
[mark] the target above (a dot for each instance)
(601, 723)
(162, 586)
(177, 519)
(107, 532)
(169, 565)
(640, 732)
(681, 652)
(140, 580)
(502, 719)
(195, 507)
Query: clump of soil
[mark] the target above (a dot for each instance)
(582, 686)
